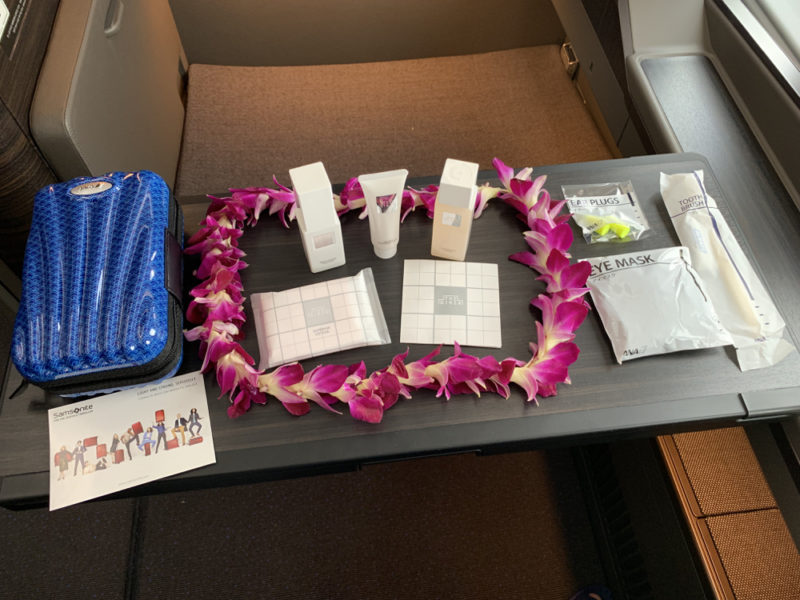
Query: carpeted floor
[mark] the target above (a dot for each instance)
(505, 526)
(508, 526)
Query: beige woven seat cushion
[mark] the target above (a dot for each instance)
(759, 554)
(244, 124)
(723, 471)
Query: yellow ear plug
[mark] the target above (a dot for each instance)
(602, 230)
(591, 222)
(599, 226)
(620, 230)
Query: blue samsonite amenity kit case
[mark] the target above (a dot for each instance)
(101, 285)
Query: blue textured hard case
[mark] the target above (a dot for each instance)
(101, 298)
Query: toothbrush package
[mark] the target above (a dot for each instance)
(739, 298)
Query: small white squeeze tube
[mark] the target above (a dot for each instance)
(742, 303)
(383, 193)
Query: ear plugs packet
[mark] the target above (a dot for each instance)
(653, 302)
(606, 212)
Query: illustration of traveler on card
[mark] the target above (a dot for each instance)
(180, 427)
(127, 438)
(62, 460)
(77, 454)
(194, 421)
(147, 442)
(114, 443)
(161, 430)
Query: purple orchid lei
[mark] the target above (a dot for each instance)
(217, 309)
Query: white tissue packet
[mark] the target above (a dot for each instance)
(653, 302)
(739, 298)
(606, 212)
(318, 319)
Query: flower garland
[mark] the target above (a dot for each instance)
(217, 309)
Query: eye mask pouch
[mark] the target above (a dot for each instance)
(653, 302)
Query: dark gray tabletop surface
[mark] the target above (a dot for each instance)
(679, 391)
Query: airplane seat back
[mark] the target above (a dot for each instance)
(110, 92)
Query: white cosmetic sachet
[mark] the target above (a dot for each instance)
(653, 302)
(449, 301)
(740, 299)
(318, 319)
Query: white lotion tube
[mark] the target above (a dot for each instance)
(454, 208)
(320, 229)
(383, 193)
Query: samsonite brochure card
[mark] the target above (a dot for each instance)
(114, 442)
